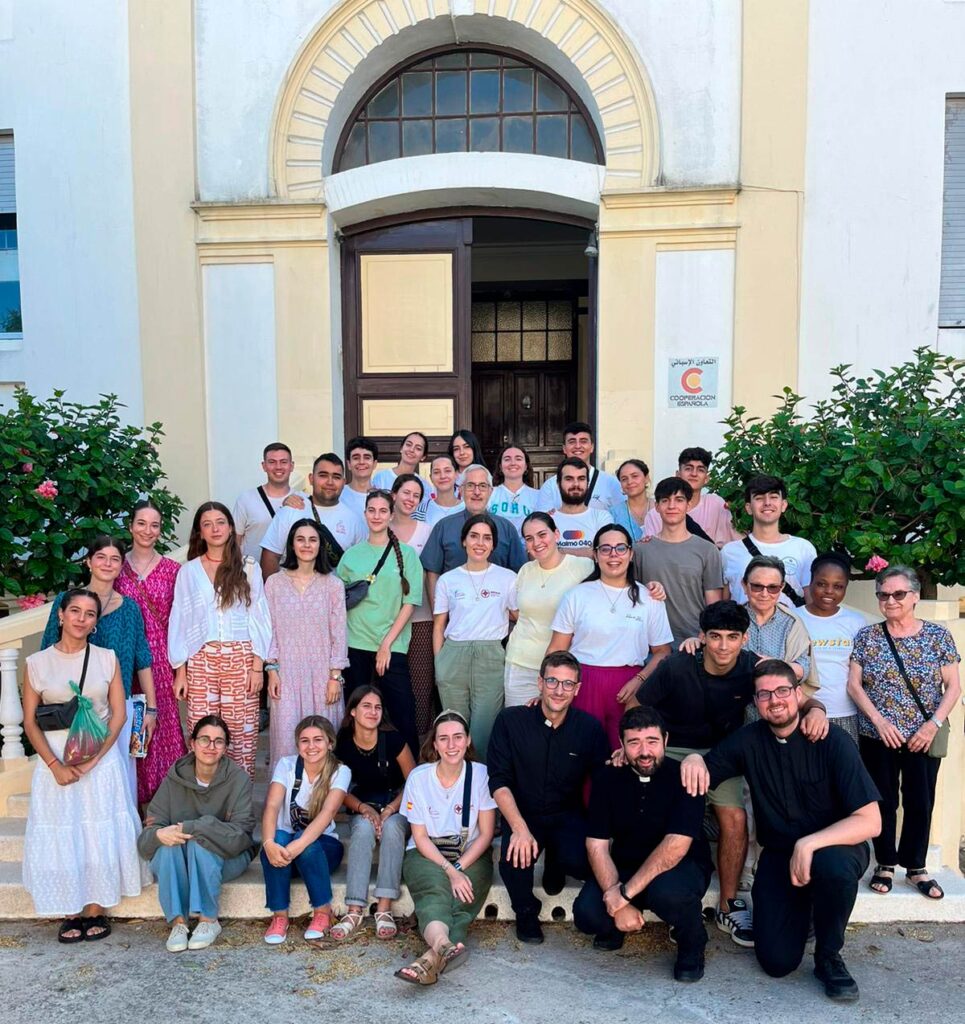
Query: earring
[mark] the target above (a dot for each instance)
(92, 632)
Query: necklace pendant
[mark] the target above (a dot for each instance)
(613, 611)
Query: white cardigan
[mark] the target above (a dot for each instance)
(197, 618)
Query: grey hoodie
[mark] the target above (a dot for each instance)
(219, 816)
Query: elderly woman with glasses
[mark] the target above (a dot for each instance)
(904, 680)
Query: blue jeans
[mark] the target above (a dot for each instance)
(189, 878)
(314, 864)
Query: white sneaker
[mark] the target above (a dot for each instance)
(205, 933)
(178, 939)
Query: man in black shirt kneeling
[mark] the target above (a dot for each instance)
(540, 760)
(646, 848)
(816, 807)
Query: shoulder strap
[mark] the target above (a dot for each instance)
(264, 498)
(83, 671)
(589, 492)
(789, 592)
(466, 798)
(694, 528)
(381, 759)
(335, 550)
(381, 561)
(904, 675)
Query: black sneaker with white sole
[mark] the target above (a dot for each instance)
(738, 921)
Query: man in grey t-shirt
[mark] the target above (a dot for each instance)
(688, 567)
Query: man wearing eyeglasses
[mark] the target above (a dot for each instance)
(687, 566)
(816, 807)
(703, 698)
(540, 759)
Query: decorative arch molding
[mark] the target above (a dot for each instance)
(311, 107)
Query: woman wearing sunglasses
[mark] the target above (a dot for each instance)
(904, 679)
(613, 627)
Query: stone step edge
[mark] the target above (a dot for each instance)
(243, 899)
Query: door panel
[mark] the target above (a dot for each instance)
(525, 410)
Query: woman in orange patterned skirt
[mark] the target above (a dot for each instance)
(219, 631)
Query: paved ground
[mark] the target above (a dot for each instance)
(911, 973)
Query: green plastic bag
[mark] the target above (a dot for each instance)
(87, 732)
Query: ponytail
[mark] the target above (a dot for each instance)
(397, 548)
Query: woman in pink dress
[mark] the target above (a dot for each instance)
(309, 643)
(148, 579)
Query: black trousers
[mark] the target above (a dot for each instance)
(396, 687)
(915, 775)
(563, 837)
(782, 911)
(675, 897)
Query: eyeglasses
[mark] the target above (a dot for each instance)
(884, 596)
(759, 588)
(613, 549)
(568, 685)
(766, 696)
(219, 742)
(475, 487)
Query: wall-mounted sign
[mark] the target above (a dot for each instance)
(692, 382)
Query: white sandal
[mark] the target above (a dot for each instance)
(351, 922)
(385, 926)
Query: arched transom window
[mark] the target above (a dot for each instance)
(460, 101)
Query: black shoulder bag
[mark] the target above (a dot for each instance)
(789, 592)
(939, 745)
(451, 847)
(298, 816)
(356, 593)
(333, 549)
(53, 717)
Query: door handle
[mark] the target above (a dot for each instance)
(505, 438)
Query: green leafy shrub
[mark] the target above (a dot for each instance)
(69, 472)
(876, 470)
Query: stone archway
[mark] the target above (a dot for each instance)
(583, 36)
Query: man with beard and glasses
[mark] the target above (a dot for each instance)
(646, 848)
(816, 808)
(540, 758)
(577, 523)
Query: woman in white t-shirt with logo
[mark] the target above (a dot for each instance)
(612, 625)
(513, 497)
(443, 501)
(540, 586)
(298, 827)
(832, 630)
(472, 610)
(448, 866)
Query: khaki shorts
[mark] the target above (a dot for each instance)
(730, 793)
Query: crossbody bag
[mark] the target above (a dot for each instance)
(53, 717)
(357, 592)
(451, 847)
(789, 592)
(268, 504)
(939, 745)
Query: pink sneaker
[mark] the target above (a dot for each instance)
(277, 930)
(320, 925)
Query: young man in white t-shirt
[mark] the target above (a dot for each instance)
(328, 480)
(604, 487)
(576, 522)
(255, 508)
(766, 502)
(361, 457)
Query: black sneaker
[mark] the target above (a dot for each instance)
(609, 941)
(689, 966)
(738, 922)
(838, 983)
(553, 878)
(528, 929)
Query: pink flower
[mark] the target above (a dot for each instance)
(875, 564)
(48, 489)
(27, 467)
(33, 601)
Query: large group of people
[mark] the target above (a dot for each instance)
(601, 678)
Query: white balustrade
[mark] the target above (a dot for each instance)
(11, 710)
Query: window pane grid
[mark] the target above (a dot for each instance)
(546, 335)
(468, 101)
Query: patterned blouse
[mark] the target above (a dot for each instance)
(924, 656)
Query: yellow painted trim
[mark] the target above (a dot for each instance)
(593, 42)
(162, 105)
(274, 223)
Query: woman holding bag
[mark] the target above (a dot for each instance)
(379, 630)
(80, 852)
(904, 680)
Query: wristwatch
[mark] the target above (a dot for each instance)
(337, 677)
(457, 865)
(936, 721)
(623, 892)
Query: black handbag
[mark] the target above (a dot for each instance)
(53, 717)
(356, 593)
(452, 847)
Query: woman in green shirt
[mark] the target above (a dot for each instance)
(378, 626)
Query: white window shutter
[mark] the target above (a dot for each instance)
(951, 303)
(8, 196)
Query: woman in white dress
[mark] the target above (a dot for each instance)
(80, 852)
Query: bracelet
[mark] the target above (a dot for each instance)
(50, 762)
(936, 721)
(150, 711)
(270, 666)
(457, 865)
(623, 892)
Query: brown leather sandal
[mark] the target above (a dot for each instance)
(425, 971)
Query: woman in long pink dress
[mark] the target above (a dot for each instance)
(148, 578)
(309, 644)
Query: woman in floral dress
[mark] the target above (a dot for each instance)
(148, 578)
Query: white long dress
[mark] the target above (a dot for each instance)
(80, 843)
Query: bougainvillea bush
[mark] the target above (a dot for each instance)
(69, 472)
(877, 470)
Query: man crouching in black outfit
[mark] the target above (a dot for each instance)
(658, 859)
(815, 807)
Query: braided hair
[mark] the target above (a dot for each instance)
(393, 540)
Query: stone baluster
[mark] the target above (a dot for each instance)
(11, 710)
